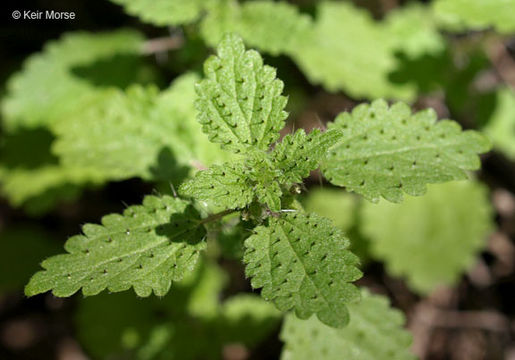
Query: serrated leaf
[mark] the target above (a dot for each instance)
(164, 12)
(299, 154)
(239, 101)
(501, 125)
(375, 332)
(430, 240)
(161, 138)
(476, 14)
(31, 102)
(385, 151)
(274, 27)
(147, 247)
(224, 186)
(347, 50)
(298, 271)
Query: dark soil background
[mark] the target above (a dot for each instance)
(472, 321)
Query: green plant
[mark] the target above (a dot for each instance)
(301, 261)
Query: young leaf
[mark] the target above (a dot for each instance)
(387, 151)
(375, 332)
(430, 240)
(240, 103)
(164, 12)
(476, 14)
(30, 102)
(302, 263)
(147, 247)
(224, 186)
(298, 154)
(501, 125)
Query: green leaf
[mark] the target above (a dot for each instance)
(347, 50)
(274, 27)
(161, 139)
(223, 186)
(239, 102)
(385, 151)
(501, 125)
(164, 12)
(297, 270)
(31, 102)
(430, 240)
(375, 332)
(147, 247)
(298, 154)
(476, 14)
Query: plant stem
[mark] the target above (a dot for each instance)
(217, 216)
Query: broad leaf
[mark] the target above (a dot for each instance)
(298, 271)
(164, 12)
(430, 240)
(385, 151)
(476, 14)
(161, 139)
(271, 26)
(240, 103)
(347, 50)
(147, 247)
(501, 125)
(31, 102)
(375, 332)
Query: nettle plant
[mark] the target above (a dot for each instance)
(300, 261)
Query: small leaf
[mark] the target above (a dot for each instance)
(147, 247)
(225, 186)
(375, 332)
(430, 240)
(298, 154)
(387, 151)
(239, 102)
(302, 263)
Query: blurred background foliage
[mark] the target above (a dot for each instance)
(98, 111)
